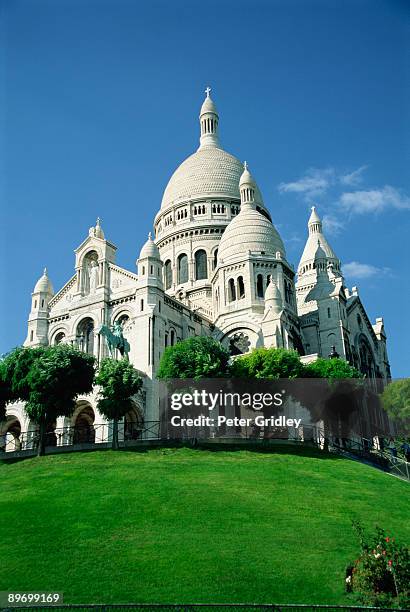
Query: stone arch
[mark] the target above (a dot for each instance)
(56, 331)
(82, 423)
(122, 315)
(59, 337)
(201, 264)
(182, 268)
(133, 422)
(85, 335)
(240, 340)
(10, 434)
(366, 360)
(214, 258)
(89, 271)
(168, 274)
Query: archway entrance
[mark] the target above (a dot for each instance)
(133, 423)
(10, 431)
(84, 424)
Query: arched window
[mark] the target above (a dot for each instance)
(215, 260)
(85, 335)
(172, 337)
(201, 265)
(168, 274)
(268, 279)
(231, 290)
(259, 286)
(241, 288)
(182, 268)
(122, 319)
(59, 338)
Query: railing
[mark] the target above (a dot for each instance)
(91, 436)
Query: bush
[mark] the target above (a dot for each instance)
(381, 574)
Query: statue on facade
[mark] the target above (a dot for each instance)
(93, 274)
(115, 339)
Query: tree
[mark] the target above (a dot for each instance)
(119, 381)
(396, 400)
(196, 357)
(341, 393)
(331, 369)
(48, 380)
(270, 363)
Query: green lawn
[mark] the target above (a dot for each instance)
(190, 525)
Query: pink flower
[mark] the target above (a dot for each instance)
(387, 539)
(389, 562)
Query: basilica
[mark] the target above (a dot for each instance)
(215, 265)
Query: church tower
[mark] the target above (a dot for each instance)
(251, 255)
(38, 317)
(321, 296)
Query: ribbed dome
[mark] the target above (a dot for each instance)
(209, 172)
(249, 231)
(43, 285)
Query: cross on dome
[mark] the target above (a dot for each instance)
(208, 91)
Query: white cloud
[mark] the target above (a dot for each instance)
(353, 178)
(313, 183)
(354, 270)
(332, 225)
(374, 200)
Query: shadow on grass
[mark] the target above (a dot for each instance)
(258, 447)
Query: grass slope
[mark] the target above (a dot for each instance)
(190, 526)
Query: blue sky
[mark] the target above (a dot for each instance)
(100, 104)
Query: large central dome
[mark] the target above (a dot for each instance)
(210, 171)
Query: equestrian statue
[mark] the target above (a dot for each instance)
(115, 339)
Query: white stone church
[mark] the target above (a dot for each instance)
(216, 265)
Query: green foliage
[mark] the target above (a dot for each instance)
(196, 357)
(381, 573)
(118, 381)
(268, 363)
(48, 379)
(332, 369)
(396, 399)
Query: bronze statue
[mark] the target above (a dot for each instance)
(115, 339)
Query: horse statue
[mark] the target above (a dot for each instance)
(115, 339)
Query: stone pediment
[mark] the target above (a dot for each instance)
(121, 278)
(64, 297)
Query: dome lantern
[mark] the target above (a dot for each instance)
(208, 120)
(314, 223)
(247, 187)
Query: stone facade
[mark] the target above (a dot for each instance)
(216, 266)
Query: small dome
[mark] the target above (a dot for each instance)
(149, 249)
(249, 231)
(314, 217)
(208, 106)
(43, 285)
(272, 292)
(316, 247)
(246, 177)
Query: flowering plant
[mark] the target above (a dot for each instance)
(381, 573)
